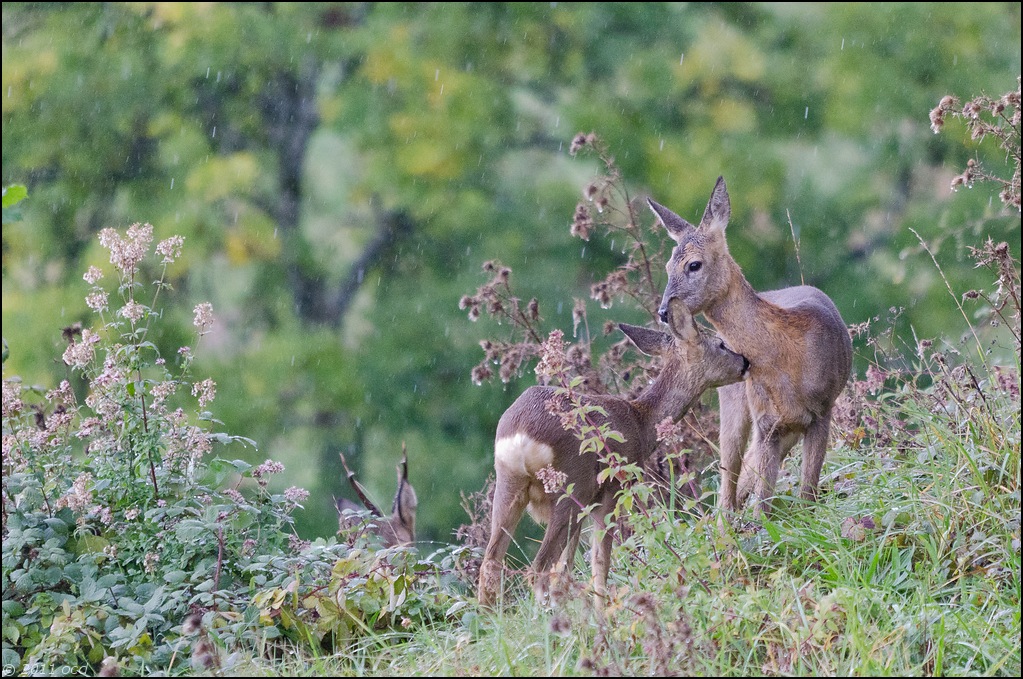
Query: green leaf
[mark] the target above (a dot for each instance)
(11, 633)
(219, 469)
(131, 607)
(107, 581)
(457, 606)
(189, 530)
(772, 530)
(154, 601)
(174, 577)
(88, 544)
(11, 659)
(57, 526)
(74, 572)
(90, 591)
(13, 608)
(14, 194)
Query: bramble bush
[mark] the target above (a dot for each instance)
(130, 546)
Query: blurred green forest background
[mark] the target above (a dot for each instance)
(341, 170)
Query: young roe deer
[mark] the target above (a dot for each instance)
(530, 438)
(400, 528)
(797, 344)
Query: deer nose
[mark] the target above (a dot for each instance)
(662, 312)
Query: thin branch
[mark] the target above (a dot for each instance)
(980, 348)
(795, 242)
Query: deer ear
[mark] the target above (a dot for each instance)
(650, 342)
(405, 500)
(675, 225)
(719, 208)
(681, 321)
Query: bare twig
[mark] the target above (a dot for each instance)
(795, 242)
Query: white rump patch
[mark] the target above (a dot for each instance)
(520, 454)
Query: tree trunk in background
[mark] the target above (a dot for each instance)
(288, 104)
(392, 228)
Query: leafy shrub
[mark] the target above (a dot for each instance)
(127, 543)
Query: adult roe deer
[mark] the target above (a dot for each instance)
(797, 344)
(530, 438)
(400, 528)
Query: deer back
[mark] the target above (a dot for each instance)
(530, 436)
(825, 356)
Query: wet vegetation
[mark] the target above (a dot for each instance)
(281, 212)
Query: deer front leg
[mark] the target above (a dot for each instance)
(764, 459)
(735, 429)
(510, 500)
(815, 448)
(749, 467)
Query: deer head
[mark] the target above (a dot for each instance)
(700, 269)
(400, 527)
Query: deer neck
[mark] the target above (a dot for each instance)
(742, 316)
(668, 396)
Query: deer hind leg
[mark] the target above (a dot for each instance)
(815, 448)
(600, 552)
(572, 546)
(562, 533)
(735, 429)
(510, 499)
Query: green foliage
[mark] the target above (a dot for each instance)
(13, 195)
(127, 543)
(909, 565)
(288, 141)
(394, 146)
(336, 597)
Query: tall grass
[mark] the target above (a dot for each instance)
(908, 565)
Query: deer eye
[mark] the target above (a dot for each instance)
(693, 267)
